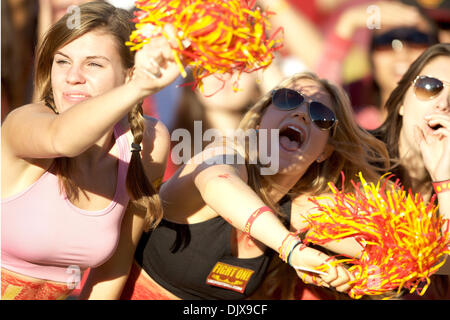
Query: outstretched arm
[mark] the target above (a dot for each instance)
(224, 188)
(296, 25)
(34, 131)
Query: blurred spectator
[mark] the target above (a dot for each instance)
(305, 24)
(219, 109)
(19, 19)
(23, 23)
(299, 54)
(439, 12)
(51, 11)
(393, 45)
(357, 42)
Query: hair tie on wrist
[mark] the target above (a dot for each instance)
(302, 246)
(136, 147)
(290, 242)
(441, 186)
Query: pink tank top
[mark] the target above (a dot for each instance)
(45, 236)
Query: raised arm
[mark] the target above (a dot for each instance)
(224, 189)
(296, 25)
(34, 131)
(338, 42)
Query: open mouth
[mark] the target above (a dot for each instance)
(292, 138)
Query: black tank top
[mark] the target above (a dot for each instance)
(195, 261)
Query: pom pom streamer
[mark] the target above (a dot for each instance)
(405, 241)
(213, 36)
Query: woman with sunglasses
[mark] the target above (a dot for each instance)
(417, 134)
(393, 44)
(223, 222)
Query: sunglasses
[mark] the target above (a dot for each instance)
(410, 37)
(427, 88)
(288, 99)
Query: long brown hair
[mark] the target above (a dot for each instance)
(389, 131)
(354, 148)
(117, 22)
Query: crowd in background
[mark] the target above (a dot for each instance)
(331, 38)
(366, 51)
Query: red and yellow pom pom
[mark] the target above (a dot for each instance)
(402, 236)
(214, 36)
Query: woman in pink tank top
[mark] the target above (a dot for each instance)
(75, 194)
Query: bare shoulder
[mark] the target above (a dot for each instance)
(25, 117)
(156, 131)
(219, 158)
(19, 172)
(23, 124)
(31, 107)
(155, 138)
(28, 110)
(156, 148)
(154, 124)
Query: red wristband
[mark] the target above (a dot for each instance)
(441, 186)
(252, 218)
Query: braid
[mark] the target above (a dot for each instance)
(140, 189)
(136, 120)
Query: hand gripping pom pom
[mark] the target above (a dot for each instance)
(213, 36)
(402, 236)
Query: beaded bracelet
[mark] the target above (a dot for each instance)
(441, 186)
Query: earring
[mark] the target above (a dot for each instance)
(319, 158)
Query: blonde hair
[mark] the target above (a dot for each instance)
(355, 150)
(99, 16)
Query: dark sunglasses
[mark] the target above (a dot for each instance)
(288, 99)
(427, 88)
(408, 36)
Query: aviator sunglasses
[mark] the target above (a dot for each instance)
(427, 88)
(288, 99)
